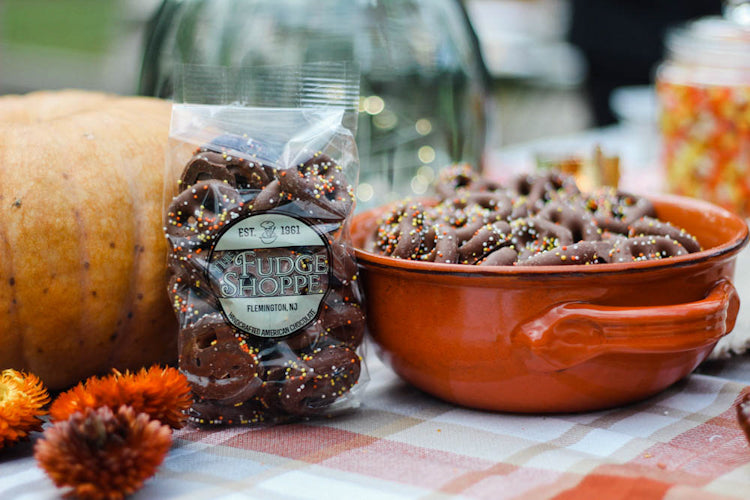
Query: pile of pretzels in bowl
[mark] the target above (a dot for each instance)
(533, 220)
(241, 378)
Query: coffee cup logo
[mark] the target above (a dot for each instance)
(268, 236)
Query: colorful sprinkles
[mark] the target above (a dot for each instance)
(539, 219)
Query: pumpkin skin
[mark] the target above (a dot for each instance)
(82, 250)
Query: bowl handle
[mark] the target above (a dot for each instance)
(573, 332)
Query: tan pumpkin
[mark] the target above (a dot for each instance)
(82, 252)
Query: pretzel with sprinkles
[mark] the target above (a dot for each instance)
(343, 318)
(194, 219)
(489, 205)
(316, 380)
(344, 265)
(650, 226)
(191, 298)
(581, 253)
(645, 248)
(574, 217)
(632, 249)
(486, 240)
(534, 235)
(320, 181)
(231, 168)
(455, 177)
(537, 189)
(465, 221)
(441, 244)
(503, 256)
(292, 381)
(402, 232)
(341, 321)
(615, 210)
(461, 178)
(198, 213)
(218, 363)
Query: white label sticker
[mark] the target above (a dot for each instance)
(268, 231)
(272, 274)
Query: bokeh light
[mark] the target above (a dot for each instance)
(365, 192)
(426, 154)
(427, 172)
(419, 184)
(423, 126)
(385, 120)
(374, 105)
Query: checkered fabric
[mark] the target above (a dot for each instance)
(684, 443)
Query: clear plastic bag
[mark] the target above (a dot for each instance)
(262, 170)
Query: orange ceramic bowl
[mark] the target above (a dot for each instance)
(555, 338)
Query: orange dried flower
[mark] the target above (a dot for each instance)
(162, 393)
(101, 454)
(22, 397)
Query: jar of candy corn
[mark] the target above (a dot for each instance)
(703, 90)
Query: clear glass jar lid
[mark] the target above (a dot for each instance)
(722, 42)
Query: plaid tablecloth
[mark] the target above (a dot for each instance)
(402, 444)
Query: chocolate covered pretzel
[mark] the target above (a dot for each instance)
(640, 248)
(306, 384)
(442, 244)
(402, 233)
(650, 226)
(316, 380)
(199, 212)
(191, 299)
(343, 318)
(485, 240)
(320, 181)
(615, 210)
(235, 160)
(218, 363)
(534, 190)
(607, 251)
(455, 177)
(573, 216)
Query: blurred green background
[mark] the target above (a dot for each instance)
(91, 44)
(98, 44)
(86, 26)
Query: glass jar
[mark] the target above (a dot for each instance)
(703, 90)
(424, 87)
